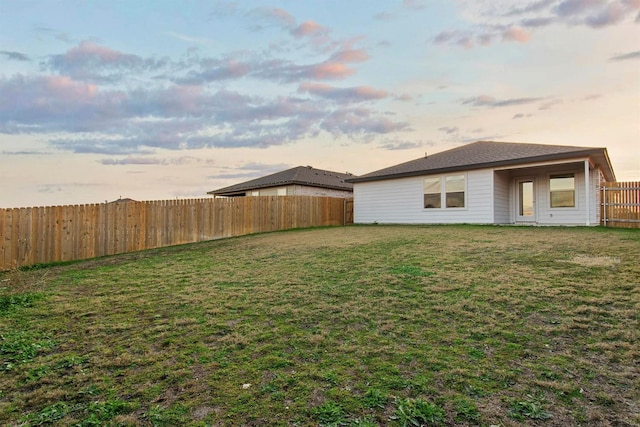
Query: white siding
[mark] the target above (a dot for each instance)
(401, 201)
(501, 208)
(595, 179)
(490, 198)
(599, 180)
(305, 190)
(546, 215)
(300, 190)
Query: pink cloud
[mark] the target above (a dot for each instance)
(61, 86)
(315, 87)
(277, 16)
(350, 55)
(536, 14)
(517, 34)
(309, 29)
(283, 16)
(329, 70)
(597, 13)
(611, 14)
(89, 61)
(368, 92)
(90, 51)
(55, 102)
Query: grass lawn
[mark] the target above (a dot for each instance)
(356, 326)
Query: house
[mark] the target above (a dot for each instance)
(121, 200)
(298, 181)
(488, 182)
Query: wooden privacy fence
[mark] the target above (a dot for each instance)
(621, 204)
(64, 233)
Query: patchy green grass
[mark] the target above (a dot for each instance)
(354, 326)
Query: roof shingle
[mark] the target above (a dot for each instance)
(483, 154)
(302, 175)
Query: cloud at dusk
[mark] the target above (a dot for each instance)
(93, 62)
(243, 89)
(400, 145)
(626, 56)
(550, 104)
(277, 15)
(15, 56)
(519, 22)
(178, 116)
(490, 101)
(325, 71)
(517, 34)
(350, 55)
(88, 92)
(351, 94)
(521, 116)
(361, 122)
(309, 29)
(449, 129)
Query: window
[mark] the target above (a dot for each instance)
(562, 190)
(432, 190)
(450, 188)
(455, 191)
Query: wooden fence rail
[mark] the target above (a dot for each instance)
(64, 233)
(621, 204)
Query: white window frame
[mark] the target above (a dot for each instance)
(443, 191)
(575, 189)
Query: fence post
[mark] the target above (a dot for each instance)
(604, 204)
(344, 211)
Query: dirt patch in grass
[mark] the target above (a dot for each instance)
(469, 325)
(595, 261)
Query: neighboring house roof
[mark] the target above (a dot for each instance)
(488, 154)
(121, 200)
(302, 175)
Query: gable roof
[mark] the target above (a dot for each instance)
(302, 175)
(487, 154)
(121, 200)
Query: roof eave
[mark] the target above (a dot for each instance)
(612, 174)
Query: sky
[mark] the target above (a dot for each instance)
(166, 99)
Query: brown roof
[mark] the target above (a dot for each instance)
(121, 200)
(486, 154)
(302, 175)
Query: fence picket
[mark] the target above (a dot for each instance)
(621, 204)
(63, 233)
(3, 236)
